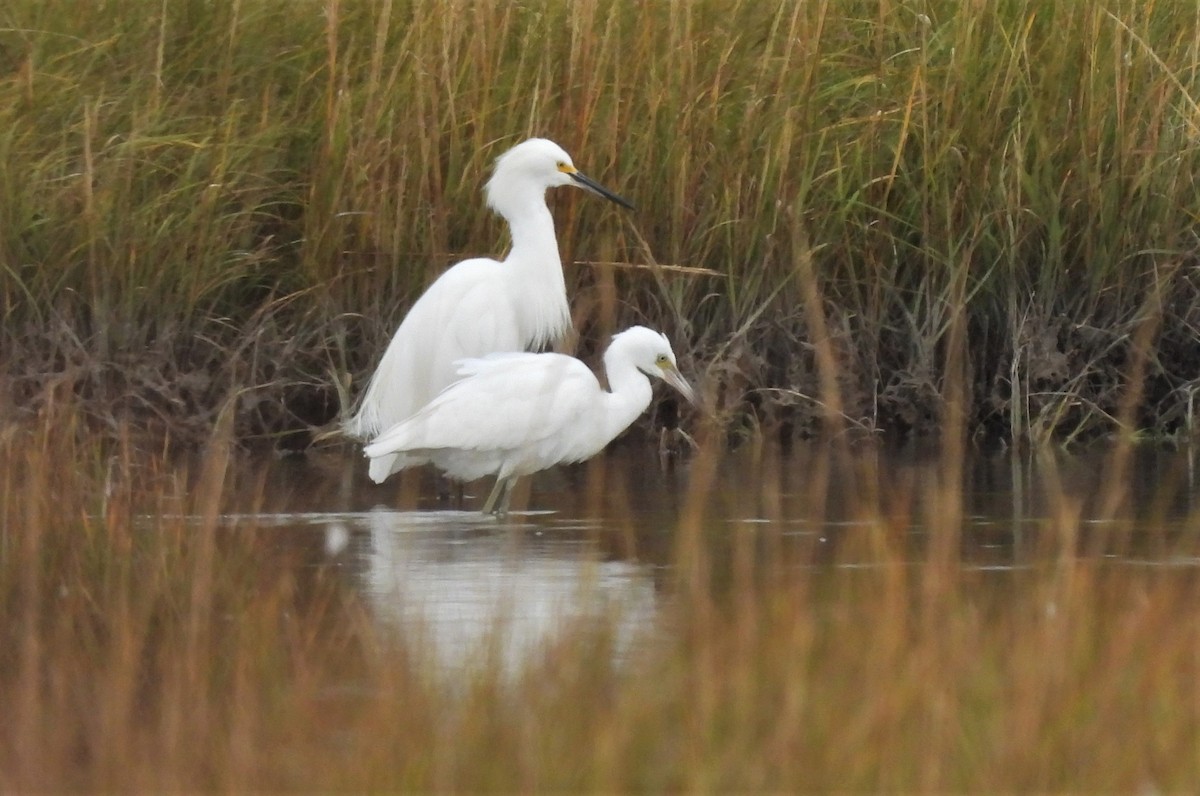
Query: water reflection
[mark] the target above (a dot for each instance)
(459, 587)
(462, 590)
(477, 593)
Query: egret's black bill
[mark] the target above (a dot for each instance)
(599, 190)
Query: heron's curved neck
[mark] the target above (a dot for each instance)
(630, 394)
(539, 286)
(533, 240)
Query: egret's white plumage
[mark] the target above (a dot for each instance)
(480, 306)
(512, 414)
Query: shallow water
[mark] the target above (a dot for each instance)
(599, 540)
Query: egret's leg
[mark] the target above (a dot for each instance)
(490, 504)
(507, 497)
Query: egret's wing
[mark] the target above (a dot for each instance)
(504, 402)
(462, 314)
(495, 364)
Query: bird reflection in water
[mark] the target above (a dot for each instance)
(474, 595)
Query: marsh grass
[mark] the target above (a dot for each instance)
(148, 646)
(199, 200)
(970, 217)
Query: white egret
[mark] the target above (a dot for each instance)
(481, 305)
(513, 414)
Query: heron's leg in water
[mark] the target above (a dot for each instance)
(497, 502)
(489, 506)
(507, 497)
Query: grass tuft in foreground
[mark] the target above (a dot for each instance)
(147, 646)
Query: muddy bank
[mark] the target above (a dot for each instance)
(285, 374)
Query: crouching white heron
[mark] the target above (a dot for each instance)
(512, 414)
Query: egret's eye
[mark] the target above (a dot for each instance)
(565, 167)
(662, 361)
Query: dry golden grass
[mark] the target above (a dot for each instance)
(143, 651)
(969, 217)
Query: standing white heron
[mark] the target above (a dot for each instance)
(480, 306)
(513, 414)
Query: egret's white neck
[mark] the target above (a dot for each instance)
(534, 244)
(539, 284)
(630, 394)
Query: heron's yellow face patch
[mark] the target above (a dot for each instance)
(566, 168)
(663, 362)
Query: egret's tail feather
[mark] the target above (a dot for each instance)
(381, 467)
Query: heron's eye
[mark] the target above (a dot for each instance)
(564, 167)
(662, 361)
